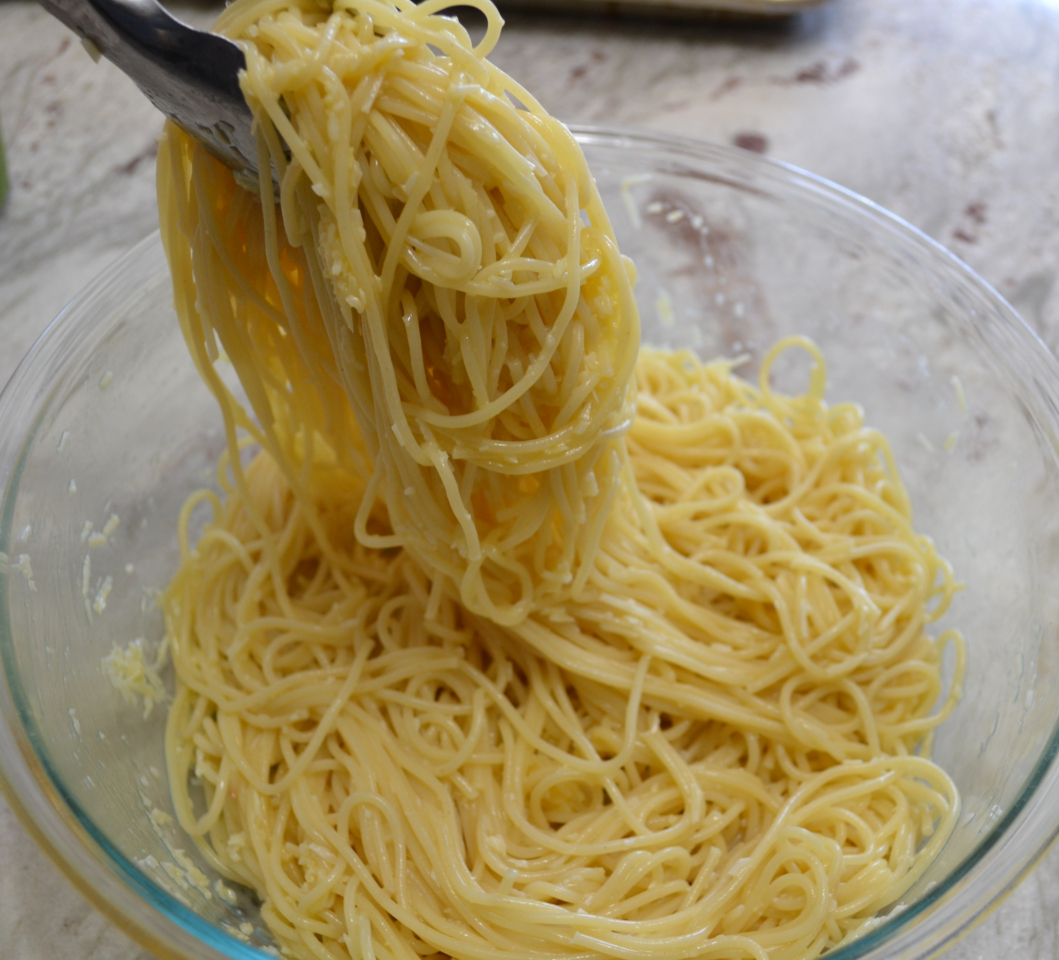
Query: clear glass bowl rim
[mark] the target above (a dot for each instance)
(173, 932)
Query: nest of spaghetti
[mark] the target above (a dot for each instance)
(721, 749)
(508, 638)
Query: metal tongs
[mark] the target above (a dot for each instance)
(190, 75)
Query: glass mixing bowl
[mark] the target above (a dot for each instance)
(107, 417)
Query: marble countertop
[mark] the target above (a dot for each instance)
(944, 111)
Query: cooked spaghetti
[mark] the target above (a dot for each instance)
(508, 638)
(435, 277)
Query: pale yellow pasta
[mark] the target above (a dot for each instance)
(441, 259)
(508, 638)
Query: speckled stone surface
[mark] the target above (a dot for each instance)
(945, 111)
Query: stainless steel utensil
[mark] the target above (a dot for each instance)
(190, 75)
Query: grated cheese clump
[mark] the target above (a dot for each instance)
(132, 675)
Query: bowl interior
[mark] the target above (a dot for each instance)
(108, 418)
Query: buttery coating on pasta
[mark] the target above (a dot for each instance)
(509, 638)
(442, 260)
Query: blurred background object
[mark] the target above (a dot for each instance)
(3, 170)
(744, 9)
